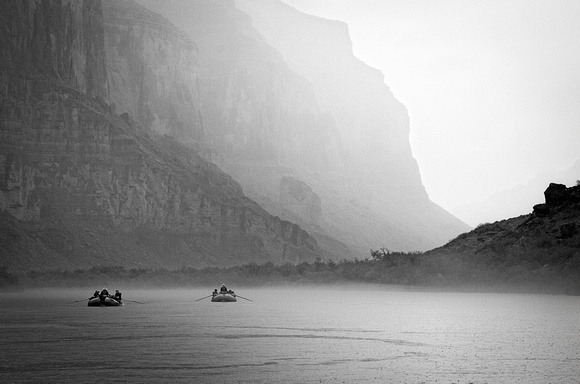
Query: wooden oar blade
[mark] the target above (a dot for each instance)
(132, 301)
(78, 301)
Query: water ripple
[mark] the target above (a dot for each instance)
(304, 329)
(326, 337)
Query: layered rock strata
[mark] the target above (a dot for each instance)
(81, 186)
(152, 71)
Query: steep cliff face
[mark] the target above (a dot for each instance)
(152, 71)
(308, 110)
(52, 55)
(373, 125)
(60, 39)
(80, 186)
(256, 111)
(261, 121)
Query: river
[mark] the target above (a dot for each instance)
(303, 335)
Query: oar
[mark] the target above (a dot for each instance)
(204, 298)
(78, 301)
(241, 297)
(132, 301)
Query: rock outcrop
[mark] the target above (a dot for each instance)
(541, 210)
(558, 194)
(82, 186)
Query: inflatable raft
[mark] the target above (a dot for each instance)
(106, 302)
(224, 298)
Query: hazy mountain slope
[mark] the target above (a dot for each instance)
(82, 186)
(254, 108)
(341, 133)
(372, 124)
(538, 250)
(515, 201)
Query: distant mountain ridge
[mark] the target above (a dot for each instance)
(515, 201)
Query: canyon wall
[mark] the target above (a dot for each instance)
(284, 96)
(152, 70)
(58, 39)
(82, 186)
(373, 126)
(112, 116)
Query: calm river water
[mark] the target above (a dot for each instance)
(312, 335)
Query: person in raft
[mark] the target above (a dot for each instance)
(103, 295)
(223, 289)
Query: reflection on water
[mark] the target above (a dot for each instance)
(291, 336)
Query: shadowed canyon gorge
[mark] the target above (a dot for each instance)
(198, 133)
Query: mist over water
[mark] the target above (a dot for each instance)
(290, 335)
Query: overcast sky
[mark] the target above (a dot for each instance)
(492, 87)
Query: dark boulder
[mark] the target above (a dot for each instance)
(556, 194)
(541, 210)
(574, 194)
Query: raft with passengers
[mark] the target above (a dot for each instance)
(104, 299)
(224, 295)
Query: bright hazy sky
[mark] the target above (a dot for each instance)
(492, 86)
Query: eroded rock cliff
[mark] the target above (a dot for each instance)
(58, 39)
(284, 96)
(81, 186)
(152, 70)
